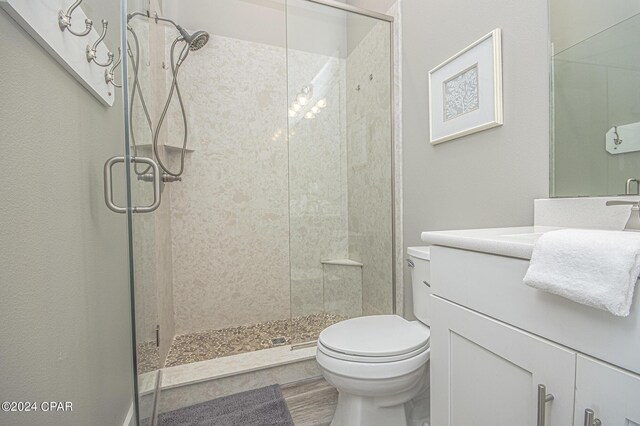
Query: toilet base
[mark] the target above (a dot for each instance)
(375, 408)
(355, 410)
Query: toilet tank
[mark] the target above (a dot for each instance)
(420, 265)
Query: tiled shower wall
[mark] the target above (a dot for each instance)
(369, 169)
(230, 216)
(247, 200)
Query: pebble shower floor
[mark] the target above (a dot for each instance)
(210, 344)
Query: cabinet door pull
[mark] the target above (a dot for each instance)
(590, 418)
(543, 398)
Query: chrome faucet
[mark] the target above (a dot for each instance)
(628, 187)
(633, 224)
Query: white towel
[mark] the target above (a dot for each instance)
(593, 267)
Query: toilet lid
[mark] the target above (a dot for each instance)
(377, 335)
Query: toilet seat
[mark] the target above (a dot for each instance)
(367, 368)
(370, 359)
(375, 339)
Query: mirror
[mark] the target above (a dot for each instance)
(595, 96)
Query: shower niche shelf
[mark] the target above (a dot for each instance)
(39, 19)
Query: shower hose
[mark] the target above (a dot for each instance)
(175, 88)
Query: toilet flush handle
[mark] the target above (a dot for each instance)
(410, 263)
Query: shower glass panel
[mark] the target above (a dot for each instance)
(148, 236)
(340, 166)
(212, 263)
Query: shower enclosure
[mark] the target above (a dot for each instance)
(283, 220)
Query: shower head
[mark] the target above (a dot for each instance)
(195, 40)
(198, 40)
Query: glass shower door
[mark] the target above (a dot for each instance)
(211, 263)
(340, 166)
(149, 267)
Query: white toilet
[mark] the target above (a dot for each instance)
(379, 363)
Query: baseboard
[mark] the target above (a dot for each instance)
(130, 419)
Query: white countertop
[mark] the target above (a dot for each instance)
(512, 242)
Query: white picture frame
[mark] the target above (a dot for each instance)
(465, 91)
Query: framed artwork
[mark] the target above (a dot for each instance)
(465, 91)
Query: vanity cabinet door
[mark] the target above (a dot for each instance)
(612, 394)
(484, 372)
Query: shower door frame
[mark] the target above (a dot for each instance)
(391, 20)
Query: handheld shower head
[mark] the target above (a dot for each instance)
(196, 40)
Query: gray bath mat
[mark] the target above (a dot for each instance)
(257, 407)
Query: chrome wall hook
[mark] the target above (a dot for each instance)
(64, 21)
(92, 51)
(109, 75)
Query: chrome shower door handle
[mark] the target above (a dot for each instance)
(157, 180)
(543, 398)
(108, 187)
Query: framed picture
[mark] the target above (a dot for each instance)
(465, 91)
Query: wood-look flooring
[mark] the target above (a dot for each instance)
(311, 402)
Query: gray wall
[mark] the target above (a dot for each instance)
(64, 296)
(491, 178)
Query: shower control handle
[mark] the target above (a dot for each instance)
(108, 185)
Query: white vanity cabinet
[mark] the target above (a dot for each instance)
(494, 341)
(484, 372)
(611, 393)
